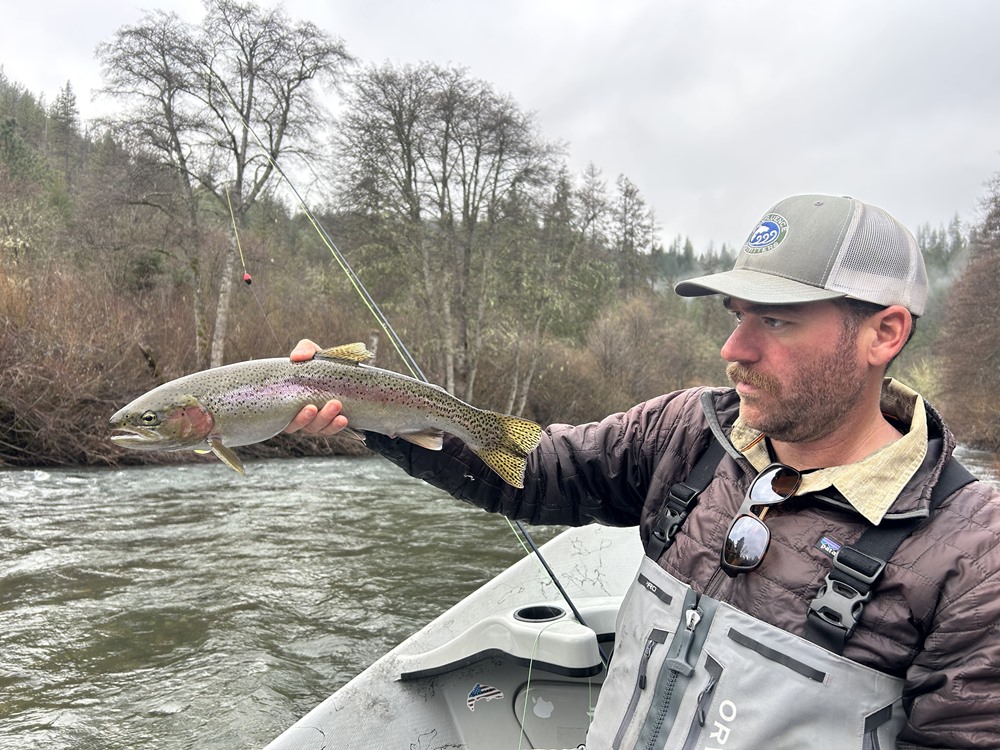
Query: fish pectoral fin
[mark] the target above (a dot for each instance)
(430, 439)
(353, 354)
(227, 456)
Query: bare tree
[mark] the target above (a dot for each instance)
(554, 282)
(440, 154)
(199, 98)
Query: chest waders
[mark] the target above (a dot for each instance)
(693, 673)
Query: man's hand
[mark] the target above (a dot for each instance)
(322, 422)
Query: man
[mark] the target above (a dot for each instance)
(824, 295)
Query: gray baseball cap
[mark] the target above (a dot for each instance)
(815, 247)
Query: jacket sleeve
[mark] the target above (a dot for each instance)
(952, 688)
(596, 472)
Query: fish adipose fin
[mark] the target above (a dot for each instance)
(227, 456)
(508, 457)
(349, 353)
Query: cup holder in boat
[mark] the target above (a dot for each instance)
(539, 613)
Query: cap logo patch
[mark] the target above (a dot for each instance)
(771, 231)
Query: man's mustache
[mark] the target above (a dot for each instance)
(740, 374)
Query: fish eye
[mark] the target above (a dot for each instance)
(149, 418)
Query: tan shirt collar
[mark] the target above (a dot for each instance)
(872, 484)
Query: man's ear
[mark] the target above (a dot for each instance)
(890, 330)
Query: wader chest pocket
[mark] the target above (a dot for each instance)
(654, 644)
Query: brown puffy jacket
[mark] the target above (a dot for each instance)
(935, 616)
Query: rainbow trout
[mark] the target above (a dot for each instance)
(248, 402)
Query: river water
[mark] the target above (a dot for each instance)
(189, 607)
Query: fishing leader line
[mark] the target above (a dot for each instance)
(247, 278)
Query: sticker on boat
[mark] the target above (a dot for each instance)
(482, 693)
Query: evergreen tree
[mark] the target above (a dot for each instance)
(969, 343)
(64, 130)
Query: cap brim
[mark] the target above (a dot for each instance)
(754, 286)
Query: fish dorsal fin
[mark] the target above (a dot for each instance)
(354, 353)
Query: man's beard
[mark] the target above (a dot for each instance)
(817, 401)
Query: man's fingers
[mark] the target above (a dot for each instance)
(304, 351)
(312, 420)
(304, 417)
(329, 421)
(324, 422)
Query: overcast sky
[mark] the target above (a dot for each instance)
(714, 109)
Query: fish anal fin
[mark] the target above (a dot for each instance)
(353, 353)
(227, 456)
(347, 432)
(429, 439)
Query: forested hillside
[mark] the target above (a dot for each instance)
(166, 239)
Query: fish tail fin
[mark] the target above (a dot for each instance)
(507, 455)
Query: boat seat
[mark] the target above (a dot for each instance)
(544, 636)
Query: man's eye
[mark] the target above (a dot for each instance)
(773, 322)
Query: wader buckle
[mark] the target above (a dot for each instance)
(846, 589)
(683, 496)
(680, 500)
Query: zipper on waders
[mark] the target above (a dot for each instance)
(714, 670)
(678, 666)
(679, 663)
(656, 638)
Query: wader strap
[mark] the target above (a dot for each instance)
(834, 613)
(681, 499)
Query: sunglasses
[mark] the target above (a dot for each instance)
(748, 538)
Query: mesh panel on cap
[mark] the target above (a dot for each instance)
(880, 262)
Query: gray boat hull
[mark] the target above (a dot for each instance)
(508, 667)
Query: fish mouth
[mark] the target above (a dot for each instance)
(134, 437)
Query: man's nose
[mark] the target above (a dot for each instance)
(741, 346)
